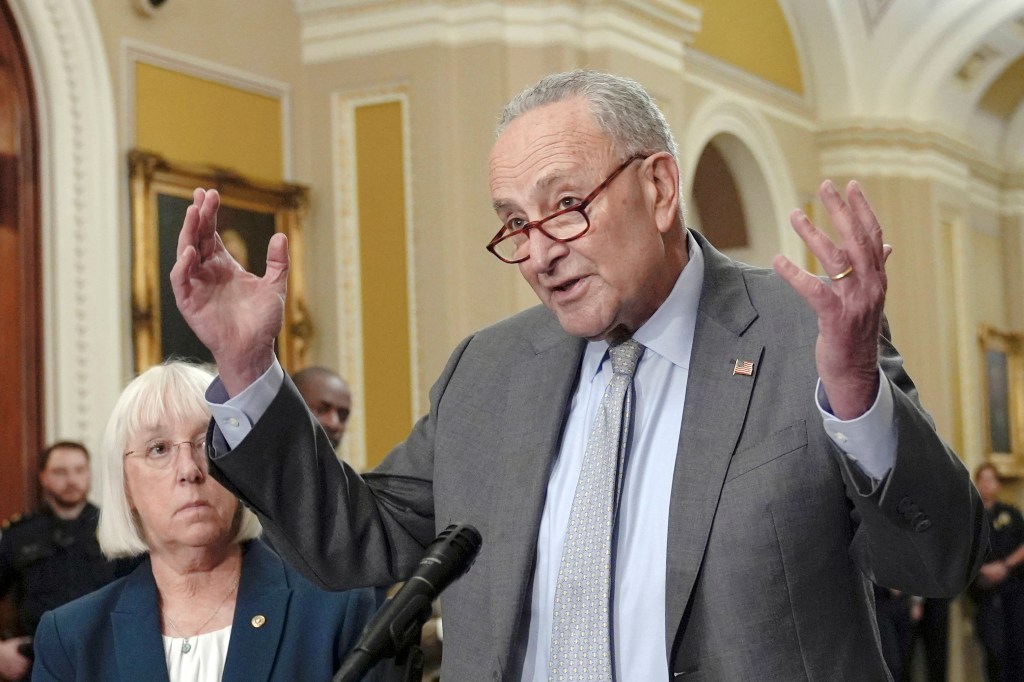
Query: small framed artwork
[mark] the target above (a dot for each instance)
(250, 213)
(1002, 356)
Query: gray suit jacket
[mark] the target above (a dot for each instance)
(773, 535)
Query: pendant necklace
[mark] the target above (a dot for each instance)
(185, 645)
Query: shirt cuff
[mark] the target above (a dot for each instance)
(870, 439)
(236, 416)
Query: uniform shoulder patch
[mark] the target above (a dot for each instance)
(12, 521)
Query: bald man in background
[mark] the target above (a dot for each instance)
(328, 398)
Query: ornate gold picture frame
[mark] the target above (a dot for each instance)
(1002, 362)
(250, 213)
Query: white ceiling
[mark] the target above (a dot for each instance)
(931, 63)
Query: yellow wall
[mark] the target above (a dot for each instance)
(387, 377)
(193, 120)
(752, 36)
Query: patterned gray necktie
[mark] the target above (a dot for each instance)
(581, 644)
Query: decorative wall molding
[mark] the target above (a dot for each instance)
(722, 114)
(1013, 141)
(873, 11)
(1013, 201)
(85, 299)
(714, 74)
(344, 188)
(945, 63)
(984, 187)
(656, 31)
(894, 162)
(134, 52)
(907, 151)
(988, 197)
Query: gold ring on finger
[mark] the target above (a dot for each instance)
(845, 273)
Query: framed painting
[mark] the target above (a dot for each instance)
(1002, 363)
(250, 213)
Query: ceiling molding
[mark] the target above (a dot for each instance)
(656, 31)
(917, 152)
(714, 74)
(912, 139)
(873, 11)
(1013, 201)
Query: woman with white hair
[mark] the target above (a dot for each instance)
(211, 602)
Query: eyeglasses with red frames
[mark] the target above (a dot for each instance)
(512, 242)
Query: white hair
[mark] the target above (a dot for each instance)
(173, 391)
(620, 106)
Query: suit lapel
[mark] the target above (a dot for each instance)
(528, 448)
(263, 596)
(136, 624)
(713, 418)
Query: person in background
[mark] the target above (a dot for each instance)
(328, 398)
(931, 629)
(51, 556)
(682, 467)
(211, 602)
(894, 612)
(998, 590)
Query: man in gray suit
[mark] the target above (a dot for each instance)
(780, 460)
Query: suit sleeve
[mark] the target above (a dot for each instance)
(51, 660)
(340, 529)
(921, 529)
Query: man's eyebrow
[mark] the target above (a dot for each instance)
(542, 184)
(546, 181)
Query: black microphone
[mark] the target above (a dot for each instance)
(397, 625)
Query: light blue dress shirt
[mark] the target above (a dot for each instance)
(641, 553)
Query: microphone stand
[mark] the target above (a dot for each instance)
(396, 630)
(409, 659)
(408, 666)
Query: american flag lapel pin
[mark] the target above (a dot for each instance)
(744, 367)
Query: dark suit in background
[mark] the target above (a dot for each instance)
(47, 561)
(999, 609)
(932, 631)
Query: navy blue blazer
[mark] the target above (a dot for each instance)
(114, 633)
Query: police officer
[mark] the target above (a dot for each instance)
(998, 589)
(50, 557)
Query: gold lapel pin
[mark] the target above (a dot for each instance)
(258, 621)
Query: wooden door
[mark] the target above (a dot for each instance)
(21, 431)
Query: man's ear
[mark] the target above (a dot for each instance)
(662, 174)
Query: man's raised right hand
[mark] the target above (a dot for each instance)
(234, 313)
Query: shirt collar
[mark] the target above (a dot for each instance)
(669, 331)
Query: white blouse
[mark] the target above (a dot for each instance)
(204, 661)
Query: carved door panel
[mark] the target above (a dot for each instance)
(20, 299)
